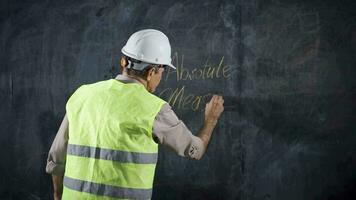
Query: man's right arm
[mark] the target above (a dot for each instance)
(213, 110)
(169, 131)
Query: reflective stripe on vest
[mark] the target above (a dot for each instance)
(114, 155)
(106, 190)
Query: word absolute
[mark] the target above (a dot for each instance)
(199, 73)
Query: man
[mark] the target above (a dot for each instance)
(106, 146)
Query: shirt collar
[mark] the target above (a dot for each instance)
(126, 79)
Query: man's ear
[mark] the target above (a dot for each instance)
(150, 73)
(123, 62)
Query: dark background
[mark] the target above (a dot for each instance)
(290, 128)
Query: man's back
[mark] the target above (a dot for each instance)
(110, 145)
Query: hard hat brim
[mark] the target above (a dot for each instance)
(144, 60)
(172, 66)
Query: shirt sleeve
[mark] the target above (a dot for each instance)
(169, 131)
(57, 154)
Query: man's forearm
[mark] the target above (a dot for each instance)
(57, 186)
(213, 109)
(206, 132)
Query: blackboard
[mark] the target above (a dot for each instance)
(286, 70)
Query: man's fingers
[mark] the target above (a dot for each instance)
(216, 100)
(216, 103)
(219, 100)
(212, 99)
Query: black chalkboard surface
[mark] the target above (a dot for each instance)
(286, 70)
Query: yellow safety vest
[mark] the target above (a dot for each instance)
(111, 153)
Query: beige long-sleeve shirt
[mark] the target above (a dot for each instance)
(167, 130)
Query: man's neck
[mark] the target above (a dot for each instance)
(142, 81)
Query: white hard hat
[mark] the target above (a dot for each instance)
(149, 46)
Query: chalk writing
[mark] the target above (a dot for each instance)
(177, 97)
(199, 73)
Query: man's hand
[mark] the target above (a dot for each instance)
(57, 196)
(57, 186)
(213, 109)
